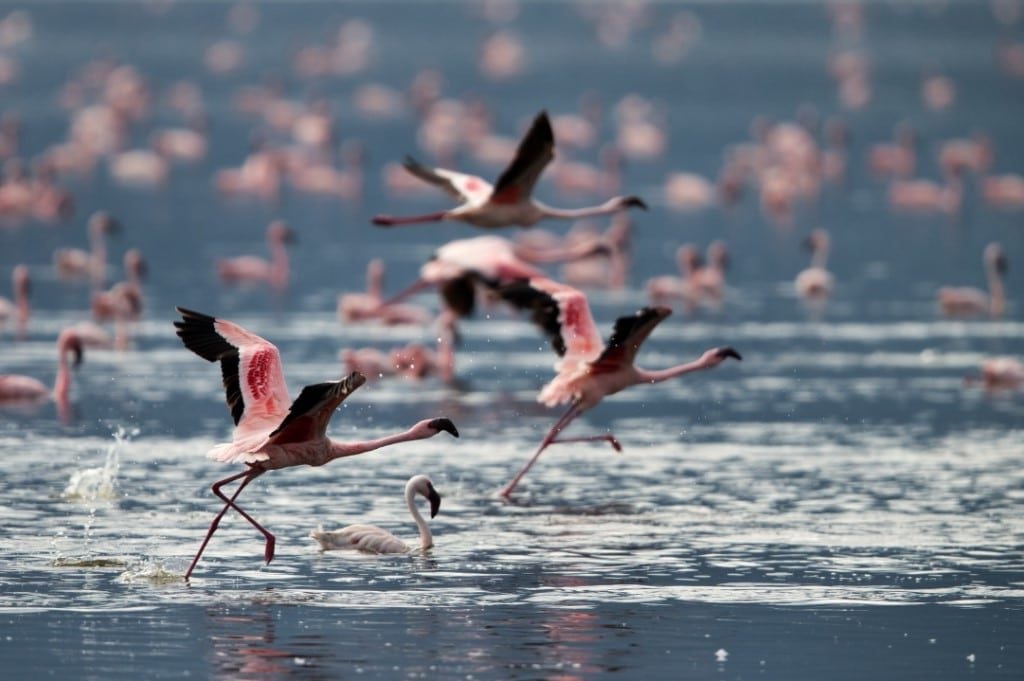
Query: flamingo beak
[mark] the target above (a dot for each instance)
(445, 425)
(435, 500)
(728, 351)
(634, 202)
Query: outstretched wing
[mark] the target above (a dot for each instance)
(313, 408)
(254, 384)
(562, 313)
(459, 185)
(628, 335)
(535, 151)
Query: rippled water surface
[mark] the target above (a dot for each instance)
(838, 505)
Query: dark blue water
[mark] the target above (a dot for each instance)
(838, 505)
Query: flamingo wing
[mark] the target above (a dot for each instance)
(628, 335)
(254, 384)
(562, 313)
(312, 410)
(535, 151)
(466, 188)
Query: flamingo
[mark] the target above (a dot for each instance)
(1003, 191)
(999, 373)
(589, 370)
(815, 283)
(19, 308)
(509, 201)
(20, 389)
(967, 301)
(251, 268)
(268, 434)
(373, 539)
(355, 307)
(684, 287)
(74, 263)
(710, 279)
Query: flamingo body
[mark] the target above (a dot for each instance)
(373, 539)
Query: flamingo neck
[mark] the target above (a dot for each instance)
(996, 293)
(62, 384)
(394, 221)
(279, 263)
(659, 375)
(375, 280)
(820, 257)
(342, 449)
(606, 208)
(426, 538)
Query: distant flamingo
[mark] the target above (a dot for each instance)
(19, 308)
(1003, 191)
(251, 268)
(508, 202)
(373, 539)
(667, 287)
(589, 369)
(17, 388)
(815, 283)
(268, 434)
(897, 158)
(710, 279)
(999, 373)
(927, 196)
(74, 263)
(970, 302)
(356, 307)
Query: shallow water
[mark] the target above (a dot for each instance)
(838, 505)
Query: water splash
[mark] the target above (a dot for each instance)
(149, 571)
(94, 484)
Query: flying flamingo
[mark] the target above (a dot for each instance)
(966, 301)
(251, 268)
(509, 201)
(19, 308)
(373, 539)
(268, 434)
(16, 388)
(590, 369)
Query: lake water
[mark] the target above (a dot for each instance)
(838, 505)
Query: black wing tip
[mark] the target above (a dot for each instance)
(353, 381)
(446, 425)
(728, 351)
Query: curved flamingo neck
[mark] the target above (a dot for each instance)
(62, 384)
(426, 538)
(279, 263)
(996, 292)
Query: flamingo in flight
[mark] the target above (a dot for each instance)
(590, 369)
(373, 539)
(268, 433)
(509, 201)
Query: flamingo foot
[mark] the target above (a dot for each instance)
(613, 441)
(268, 553)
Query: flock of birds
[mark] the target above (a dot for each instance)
(784, 163)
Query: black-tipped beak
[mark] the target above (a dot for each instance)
(808, 243)
(634, 202)
(290, 236)
(435, 501)
(75, 346)
(1001, 265)
(353, 381)
(445, 425)
(728, 351)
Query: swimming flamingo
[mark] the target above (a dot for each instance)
(684, 287)
(373, 539)
(1003, 191)
(710, 279)
(251, 268)
(269, 435)
(999, 373)
(19, 308)
(17, 388)
(815, 283)
(967, 301)
(508, 202)
(928, 196)
(590, 369)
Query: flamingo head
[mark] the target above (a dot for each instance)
(70, 341)
(996, 256)
(280, 232)
(439, 424)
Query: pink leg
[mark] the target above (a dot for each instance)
(609, 438)
(248, 476)
(566, 419)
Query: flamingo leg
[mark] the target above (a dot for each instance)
(607, 437)
(393, 221)
(551, 437)
(248, 476)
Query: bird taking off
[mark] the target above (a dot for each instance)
(590, 369)
(509, 201)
